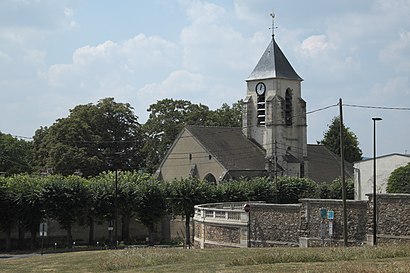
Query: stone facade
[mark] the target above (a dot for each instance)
(312, 223)
(301, 224)
(393, 219)
(274, 225)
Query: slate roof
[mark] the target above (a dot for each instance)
(273, 64)
(324, 165)
(230, 147)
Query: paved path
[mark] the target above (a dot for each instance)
(17, 256)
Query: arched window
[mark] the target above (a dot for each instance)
(288, 107)
(210, 178)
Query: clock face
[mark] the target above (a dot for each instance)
(260, 88)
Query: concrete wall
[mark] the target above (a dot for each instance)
(363, 173)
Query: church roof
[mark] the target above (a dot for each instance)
(273, 64)
(230, 147)
(324, 165)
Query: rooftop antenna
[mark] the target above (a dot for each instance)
(272, 14)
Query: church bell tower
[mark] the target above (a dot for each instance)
(274, 114)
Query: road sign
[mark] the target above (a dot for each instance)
(246, 207)
(323, 212)
(43, 229)
(330, 215)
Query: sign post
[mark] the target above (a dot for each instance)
(330, 217)
(43, 233)
(323, 214)
(247, 209)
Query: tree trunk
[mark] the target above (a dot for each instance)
(91, 231)
(69, 237)
(33, 237)
(8, 239)
(125, 229)
(150, 234)
(187, 232)
(21, 232)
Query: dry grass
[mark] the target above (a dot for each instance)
(363, 259)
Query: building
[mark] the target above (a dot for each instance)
(363, 173)
(272, 140)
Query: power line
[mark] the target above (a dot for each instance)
(378, 107)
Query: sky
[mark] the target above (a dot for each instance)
(56, 54)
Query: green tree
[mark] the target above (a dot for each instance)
(28, 195)
(151, 206)
(331, 140)
(184, 195)
(291, 189)
(227, 116)
(399, 180)
(15, 155)
(334, 190)
(65, 201)
(9, 209)
(92, 139)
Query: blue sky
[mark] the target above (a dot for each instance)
(55, 55)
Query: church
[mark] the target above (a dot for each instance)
(272, 140)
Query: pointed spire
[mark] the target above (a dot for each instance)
(273, 63)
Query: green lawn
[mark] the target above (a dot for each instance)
(365, 259)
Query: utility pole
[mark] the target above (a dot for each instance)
(342, 159)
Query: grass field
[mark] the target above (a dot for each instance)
(364, 259)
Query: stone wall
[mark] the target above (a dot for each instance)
(393, 218)
(274, 225)
(311, 222)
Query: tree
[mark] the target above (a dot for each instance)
(399, 180)
(151, 206)
(92, 139)
(334, 190)
(184, 195)
(28, 196)
(331, 139)
(65, 201)
(291, 189)
(15, 155)
(9, 209)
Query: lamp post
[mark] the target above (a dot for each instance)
(374, 183)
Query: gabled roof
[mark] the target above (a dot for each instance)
(324, 165)
(273, 64)
(230, 147)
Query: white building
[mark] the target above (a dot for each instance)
(385, 165)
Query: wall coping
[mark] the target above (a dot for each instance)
(390, 195)
(332, 201)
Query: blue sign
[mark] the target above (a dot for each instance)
(330, 214)
(323, 212)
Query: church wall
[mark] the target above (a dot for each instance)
(179, 162)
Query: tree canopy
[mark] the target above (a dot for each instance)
(15, 155)
(399, 180)
(331, 139)
(92, 139)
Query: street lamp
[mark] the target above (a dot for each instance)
(374, 183)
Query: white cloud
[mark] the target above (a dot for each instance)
(315, 46)
(397, 52)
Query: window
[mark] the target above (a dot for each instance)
(210, 178)
(288, 107)
(261, 109)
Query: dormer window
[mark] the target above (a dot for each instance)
(288, 107)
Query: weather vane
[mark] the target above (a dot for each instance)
(272, 14)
